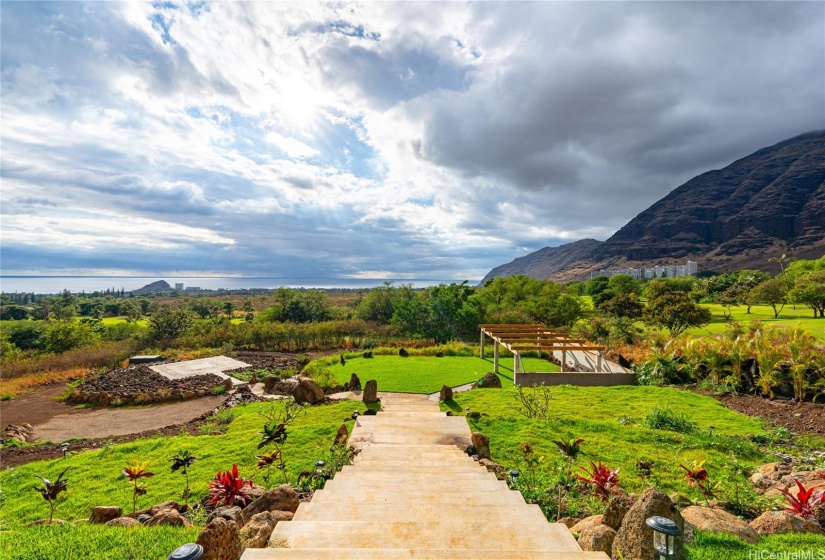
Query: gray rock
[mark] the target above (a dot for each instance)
(221, 540)
(489, 381)
(616, 509)
(282, 498)
(371, 392)
(307, 391)
(482, 445)
(634, 538)
(104, 514)
(229, 513)
(598, 538)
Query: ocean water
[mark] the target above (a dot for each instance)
(77, 284)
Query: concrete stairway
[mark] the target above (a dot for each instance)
(412, 494)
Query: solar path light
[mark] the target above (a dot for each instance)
(64, 447)
(665, 533)
(514, 476)
(188, 551)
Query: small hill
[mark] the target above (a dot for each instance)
(159, 286)
(769, 203)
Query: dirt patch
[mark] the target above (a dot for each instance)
(37, 407)
(799, 418)
(141, 385)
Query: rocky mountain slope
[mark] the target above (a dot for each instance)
(766, 204)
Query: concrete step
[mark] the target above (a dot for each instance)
(406, 554)
(400, 486)
(355, 498)
(445, 468)
(432, 534)
(401, 479)
(520, 513)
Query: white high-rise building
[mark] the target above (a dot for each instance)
(179, 286)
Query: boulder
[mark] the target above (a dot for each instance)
(282, 498)
(342, 435)
(229, 513)
(586, 523)
(634, 538)
(123, 522)
(403, 353)
(489, 381)
(597, 538)
(180, 508)
(491, 466)
(104, 514)
(46, 522)
(482, 445)
(719, 521)
(354, 382)
(779, 522)
(369, 412)
(255, 534)
(446, 393)
(256, 491)
(371, 392)
(616, 509)
(774, 471)
(808, 479)
(819, 514)
(168, 517)
(221, 540)
(307, 391)
(568, 521)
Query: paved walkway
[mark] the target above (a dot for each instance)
(412, 494)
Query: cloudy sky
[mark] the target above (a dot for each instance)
(387, 140)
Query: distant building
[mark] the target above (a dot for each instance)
(193, 289)
(179, 286)
(658, 271)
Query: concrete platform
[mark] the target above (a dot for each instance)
(216, 365)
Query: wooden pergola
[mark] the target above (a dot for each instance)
(519, 338)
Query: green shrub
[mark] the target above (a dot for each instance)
(665, 419)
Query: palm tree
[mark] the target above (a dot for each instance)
(770, 361)
(740, 349)
(800, 348)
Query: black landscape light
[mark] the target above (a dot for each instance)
(710, 429)
(64, 447)
(466, 410)
(188, 551)
(355, 415)
(665, 533)
(514, 476)
(319, 467)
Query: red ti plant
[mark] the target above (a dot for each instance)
(602, 479)
(134, 472)
(805, 501)
(228, 489)
(698, 478)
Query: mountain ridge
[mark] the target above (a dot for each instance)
(766, 204)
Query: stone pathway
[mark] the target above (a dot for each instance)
(412, 494)
(216, 365)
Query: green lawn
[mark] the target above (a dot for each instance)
(593, 413)
(801, 317)
(95, 476)
(426, 374)
(719, 546)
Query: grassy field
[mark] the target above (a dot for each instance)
(95, 476)
(801, 317)
(719, 546)
(425, 374)
(611, 421)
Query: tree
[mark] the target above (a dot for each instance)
(676, 312)
(771, 292)
(167, 323)
(623, 284)
(596, 285)
(810, 290)
(248, 307)
(622, 305)
(65, 335)
(205, 307)
(728, 299)
(131, 310)
(13, 313)
(229, 308)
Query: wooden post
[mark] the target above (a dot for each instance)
(495, 356)
(515, 367)
(564, 360)
(600, 363)
(481, 351)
